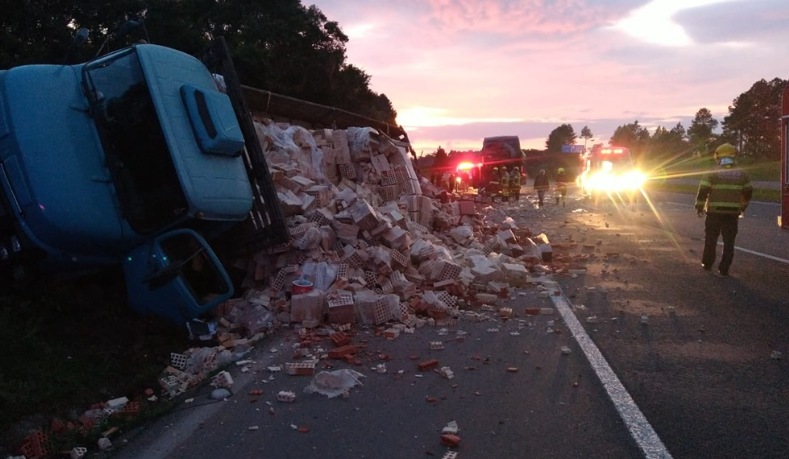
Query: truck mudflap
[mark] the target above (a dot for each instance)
(265, 225)
(176, 276)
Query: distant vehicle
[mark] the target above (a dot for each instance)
(609, 170)
(500, 151)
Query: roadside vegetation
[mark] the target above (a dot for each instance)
(759, 194)
(286, 47)
(752, 126)
(72, 343)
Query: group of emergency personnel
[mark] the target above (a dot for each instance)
(723, 195)
(505, 183)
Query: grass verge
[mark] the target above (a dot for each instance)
(759, 194)
(70, 344)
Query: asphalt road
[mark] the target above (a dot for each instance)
(689, 355)
(701, 369)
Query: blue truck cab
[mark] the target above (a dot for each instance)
(123, 159)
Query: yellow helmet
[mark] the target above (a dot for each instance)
(496, 169)
(726, 150)
(561, 170)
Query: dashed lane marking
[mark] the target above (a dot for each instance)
(640, 429)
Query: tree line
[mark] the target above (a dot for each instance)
(752, 125)
(277, 45)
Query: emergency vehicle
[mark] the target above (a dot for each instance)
(783, 219)
(608, 171)
(477, 169)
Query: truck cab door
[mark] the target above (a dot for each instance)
(176, 276)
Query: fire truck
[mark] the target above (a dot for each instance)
(498, 152)
(783, 219)
(609, 171)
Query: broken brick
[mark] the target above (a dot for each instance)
(427, 364)
(343, 351)
(340, 339)
(450, 440)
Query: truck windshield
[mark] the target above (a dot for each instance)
(135, 148)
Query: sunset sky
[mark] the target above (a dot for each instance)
(460, 70)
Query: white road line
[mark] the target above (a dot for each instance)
(752, 202)
(642, 432)
(741, 249)
(759, 254)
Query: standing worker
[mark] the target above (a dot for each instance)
(515, 183)
(541, 185)
(724, 193)
(492, 179)
(561, 187)
(504, 181)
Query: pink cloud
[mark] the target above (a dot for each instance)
(514, 18)
(546, 63)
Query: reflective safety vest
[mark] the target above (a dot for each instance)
(725, 190)
(504, 180)
(515, 179)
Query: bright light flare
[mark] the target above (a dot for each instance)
(466, 166)
(608, 182)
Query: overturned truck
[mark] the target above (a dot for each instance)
(145, 157)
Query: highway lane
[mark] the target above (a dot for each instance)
(700, 368)
(691, 348)
(758, 228)
(514, 393)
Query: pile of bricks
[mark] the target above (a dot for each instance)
(378, 246)
(371, 236)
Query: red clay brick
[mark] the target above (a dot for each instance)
(340, 339)
(342, 351)
(450, 440)
(427, 364)
(57, 426)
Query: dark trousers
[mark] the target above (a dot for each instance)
(717, 225)
(561, 191)
(541, 197)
